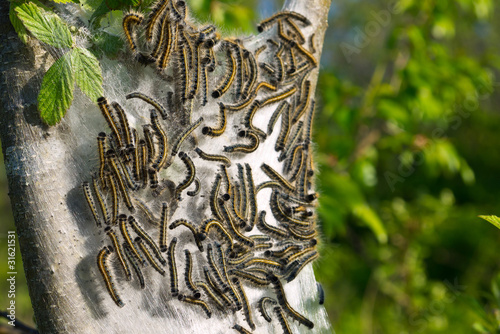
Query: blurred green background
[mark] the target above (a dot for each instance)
(406, 130)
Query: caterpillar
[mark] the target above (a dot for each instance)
(103, 268)
(130, 20)
(285, 14)
(90, 202)
(149, 257)
(201, 303)
(188, 275)
(173, 268)
(213, 157)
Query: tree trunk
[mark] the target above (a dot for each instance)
(58, 239)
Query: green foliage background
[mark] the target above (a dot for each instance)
(407, 135)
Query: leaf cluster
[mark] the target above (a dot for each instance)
(77, 65)
(407, 137)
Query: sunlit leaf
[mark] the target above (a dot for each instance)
(56, 93)
(87, 71)
(480, 328)
(44, 25)
(16, 23)
(494, 220)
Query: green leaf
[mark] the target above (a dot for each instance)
(478, 327)
(87, 72)
(494, 220)
(346, 196)
(371, 219)
(107, 43)
(89, 8)
(17, 24)
(56, 93)
(100, 11)
(393, 110)
(44, 25)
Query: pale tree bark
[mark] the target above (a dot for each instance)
(59, 241)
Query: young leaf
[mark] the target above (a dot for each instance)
(17, 24)
(87, 73)
(44, 25)
(56, 94)
(494, 220)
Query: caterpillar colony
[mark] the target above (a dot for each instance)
(235, 248)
